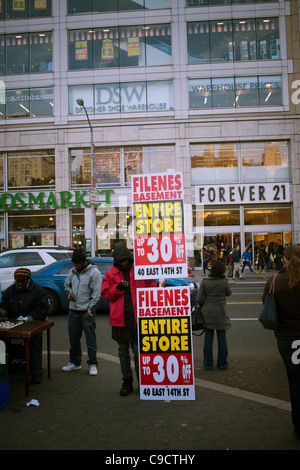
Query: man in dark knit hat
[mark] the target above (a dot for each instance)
(82, 287)
(26, 300)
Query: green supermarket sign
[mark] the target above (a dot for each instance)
(51, 200)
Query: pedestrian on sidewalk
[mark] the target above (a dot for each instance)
(212, 297)
(246, 258)
(287, 298)
(83, 288)
(236, 262)
(119, 288)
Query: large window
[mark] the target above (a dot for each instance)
(240, 162)
(122, 97)
(31, 228)
(24, 102)
(26, 53)
(88, 6)
(31, 169)
(235, 92)
(114, 166)
(120, 47)
(197, 3)
(227, 40)
(12, 9)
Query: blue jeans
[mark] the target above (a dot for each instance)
(77, 323)
(293, 374)
(222, 349)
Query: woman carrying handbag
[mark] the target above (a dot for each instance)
(287, 333)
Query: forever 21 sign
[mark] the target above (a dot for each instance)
(242, 193)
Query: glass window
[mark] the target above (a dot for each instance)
(17, 53)
(132, 46)
(28, 227)
(1, 178)
(115, 165)
(81, 49)
(158, 44)
(198, 42)
(105, 5)
(200, 93)
(246, 91)
(214, 163)
(32, 169)
(84, 92)
(219, 217)
(17, 103)
(17, 9)
(40, 8)
(122, 97)
(221, 41)
(41, 102)
(41, 52)
(268, 44)
(223, 92)
(78, 6)
(270, 91)
(139, 160)
(8, 260)
(29, 103)
(106, 48)
(265, 161)
(267, 216)
(2, 54)
(238, 92)
(244, 40)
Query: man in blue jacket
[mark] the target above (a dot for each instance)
(236, 262)
(26, 300)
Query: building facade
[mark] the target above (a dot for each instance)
(210, 88)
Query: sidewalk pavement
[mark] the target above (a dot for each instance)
(80, 412)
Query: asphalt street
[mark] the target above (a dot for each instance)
(244, 408)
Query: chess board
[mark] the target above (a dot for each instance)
(7, 325)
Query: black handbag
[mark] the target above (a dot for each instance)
(197, 321)
(268, 316)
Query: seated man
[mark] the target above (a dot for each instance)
(27, 300)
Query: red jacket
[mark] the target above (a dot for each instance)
(115, 296)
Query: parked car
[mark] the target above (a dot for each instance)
(52, 278)
(28, 257)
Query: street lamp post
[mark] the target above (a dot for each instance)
(80, 102)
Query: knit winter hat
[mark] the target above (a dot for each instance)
(78, 256)
(22, 273)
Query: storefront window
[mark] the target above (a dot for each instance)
(27, 53)
(31, 169)
(120, 47)
(128, 97)
(235, 92)
(267, 216)
(31, 228)
(28, 103)
(218, 41)
(214, 163)
(265, 161)
(197, 3)
(78, 229)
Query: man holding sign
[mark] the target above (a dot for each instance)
(119, 288)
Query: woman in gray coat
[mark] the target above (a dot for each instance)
(212, 297)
